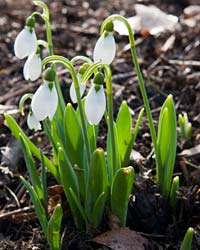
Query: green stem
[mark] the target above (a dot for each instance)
(42, 43)
(93, 68)
(111, 130)
(81, 58)
(110, 115)
(64, 61)
(22, 101)
(85, 135)
(48, 133)
(139, 75)
(46, 18)
(145, 99)
(50, 49)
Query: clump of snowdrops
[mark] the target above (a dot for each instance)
(92, 179)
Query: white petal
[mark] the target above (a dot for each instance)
(95, 105)
(73, 92)
(25, 43)
(44, 102)
(53, 104)
(105, 49)
(33, 67)
(33, 123)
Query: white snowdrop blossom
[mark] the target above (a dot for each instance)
(33, 67)
(105, 48)
(45, 101)
(32, 122)
(25, 43)
(72, 89)
(95, 104)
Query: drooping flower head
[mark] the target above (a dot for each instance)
(32, 122)
(26, 41)
(33, 66)
(45, 99)
(105, 47)
(95, 103)
(82, 86)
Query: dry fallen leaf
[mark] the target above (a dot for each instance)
(121, 239)
(191, 152)
(191, 15)
(148, 20)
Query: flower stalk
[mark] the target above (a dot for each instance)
(138, 72)
(46, 17)
(66, 63)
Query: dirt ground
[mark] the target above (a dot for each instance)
(170, 63)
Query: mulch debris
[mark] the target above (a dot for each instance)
(170, 64)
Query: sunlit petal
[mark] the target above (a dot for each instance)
(73, 92)
(95, 105)
(105, 49)
(44, 102)
(25, 43)
(32, 122)
(32, 67)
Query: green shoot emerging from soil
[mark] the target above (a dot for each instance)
(94, 182)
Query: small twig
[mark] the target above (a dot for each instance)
(185, 63)
(13, 195)
(152, 235)
(18, 211)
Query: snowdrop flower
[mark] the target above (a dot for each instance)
(33, 67)
(72, 90)
(45, 99)
(32, 122)
(82, 86)
(95, 103)
(105, 47)
(26, 41)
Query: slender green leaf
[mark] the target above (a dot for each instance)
(37, 205)
(16, 130)
(98, 210)
(173, 194)
(163, 145)
(33, 172)
(44, 183)
(67, 174)
(79, 205)
(137, 125)
(112, 169)
(133, 138)
(124, 131)
(74, 144)
(73, 137)
(167, 143)
(48, 133)
(98, 181)
(187, 241)
(92, 130)
(69, 180)
(54, 227)
(120, 192)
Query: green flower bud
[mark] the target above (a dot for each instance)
(109, 27)
(30, 22)
(83, 68)
(38, 51)
(97, 87)
(98, 78)
(50, 75)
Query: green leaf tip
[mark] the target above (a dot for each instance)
(187, 241)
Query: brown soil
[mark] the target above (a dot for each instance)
(174, 70)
